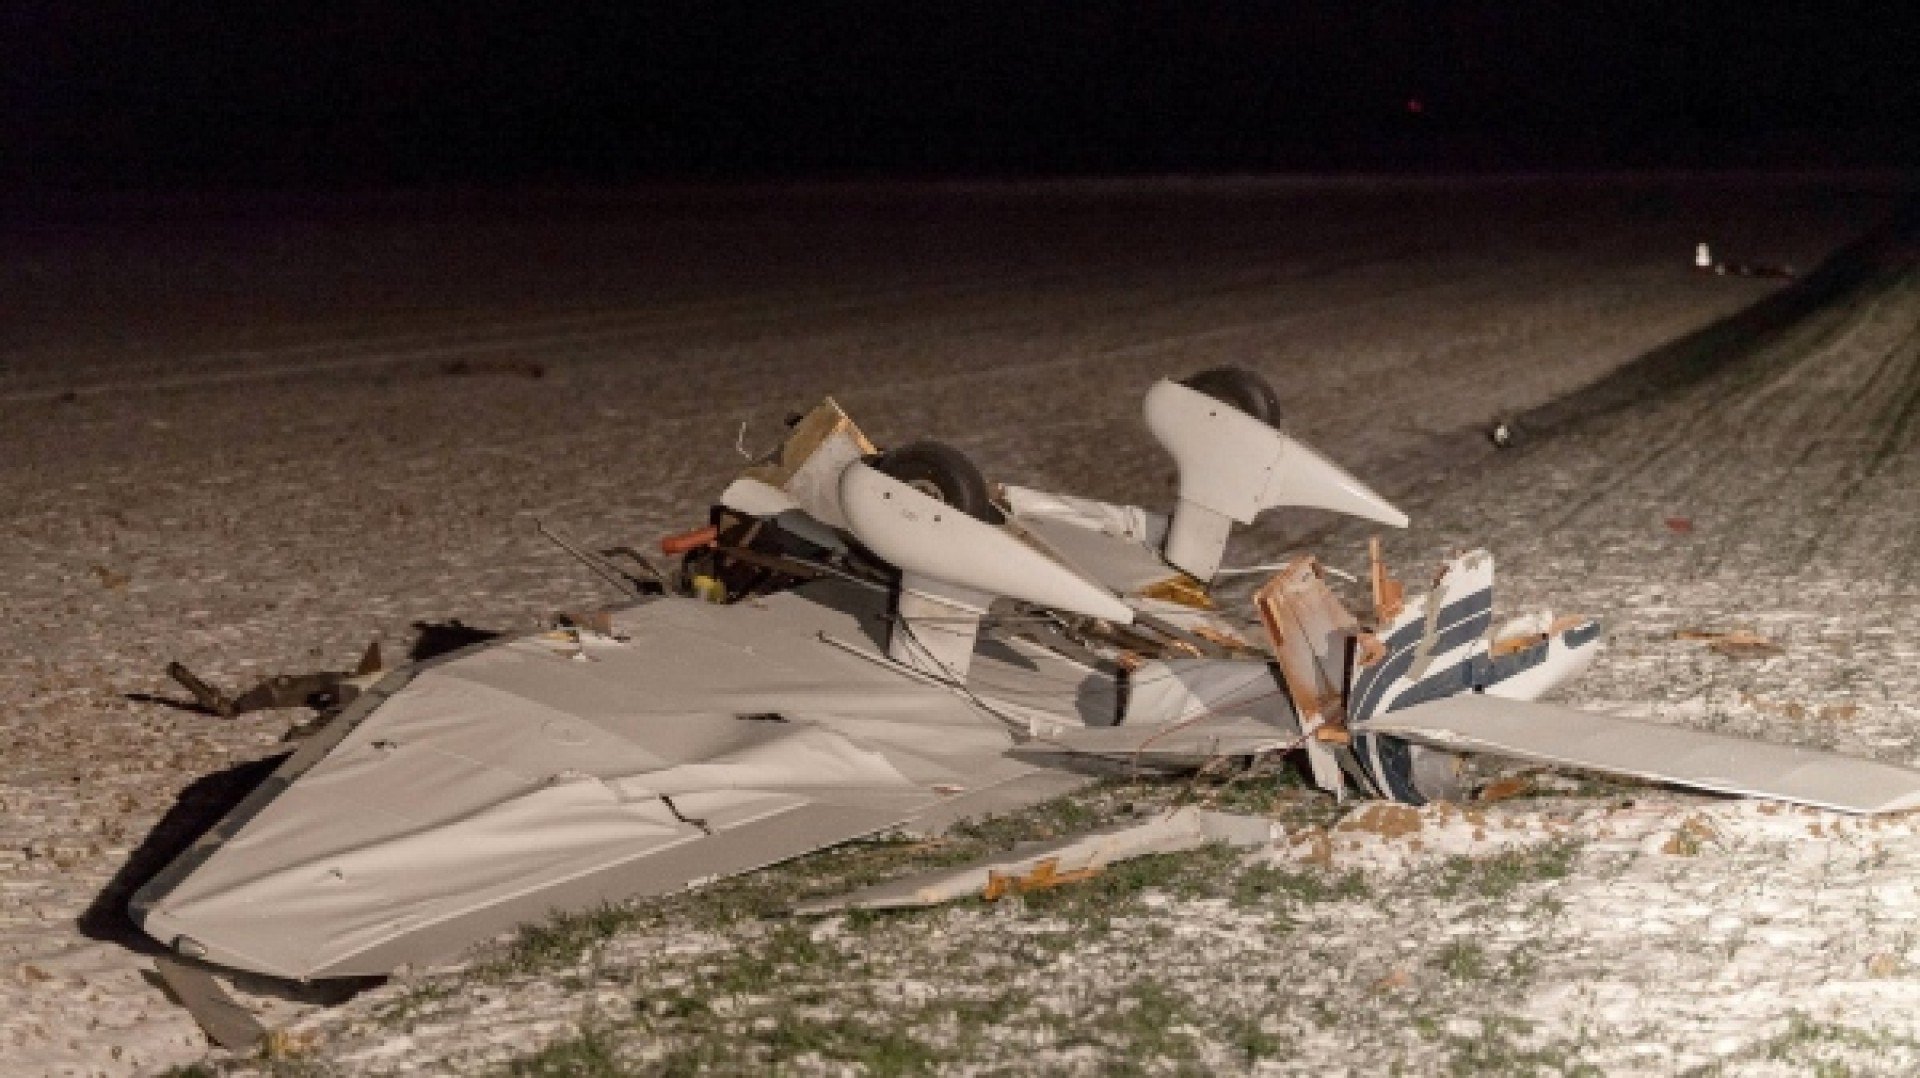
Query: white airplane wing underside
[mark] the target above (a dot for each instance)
(554, 772)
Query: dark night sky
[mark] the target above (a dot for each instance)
(157, 94)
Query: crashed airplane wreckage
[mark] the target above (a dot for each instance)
(864, 641)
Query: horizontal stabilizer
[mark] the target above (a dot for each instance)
(1472, 722)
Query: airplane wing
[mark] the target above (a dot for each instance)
(1547, 733)
(500, 784)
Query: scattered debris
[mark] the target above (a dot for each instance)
(1365, 842)
(1394, 980)
(1387, 821)
(1503, 435)
(1733, 643)
(1705, 262)
(1686, 839)
(1502, 789)
(1037, 867)
(1389, 595)
(325, 691)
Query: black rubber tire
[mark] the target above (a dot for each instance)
(943, 472)
(1241, 388)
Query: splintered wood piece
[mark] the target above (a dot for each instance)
(1389, 595)
(1311, 633)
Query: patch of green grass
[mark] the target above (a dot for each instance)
(1049, 819)
(1546, 907)
(976, 1014)
(882, 1047)
(409, 1004)
(1506, 872)
(1091, 903)
(1146, 1023)
(1264, 885)
(953, 1027)
(777, 958)
(1805, 1039)
(1803, 1029)
(590, 1053)
(1248, 1036)
(1462, 960)
(672, 1005)
(720, 906)
(1264, 795)
(772, 995)
(883, 1041)
(1500, 1047)
(1523, 964)
(562, 940)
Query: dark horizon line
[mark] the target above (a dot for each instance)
(468, 191)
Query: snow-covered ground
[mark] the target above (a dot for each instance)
(252, 438)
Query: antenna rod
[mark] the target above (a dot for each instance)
(598, 566)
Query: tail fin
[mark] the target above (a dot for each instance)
(1442, 644)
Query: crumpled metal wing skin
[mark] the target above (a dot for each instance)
(1648, 750)
(497, 785)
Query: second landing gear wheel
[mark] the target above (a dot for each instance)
(1240, 387)
(941, 472)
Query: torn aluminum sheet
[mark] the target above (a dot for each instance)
(1050, 864)
(1086, 514)
(857, 642)
(321, 690)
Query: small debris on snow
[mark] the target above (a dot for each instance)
(1734, 643)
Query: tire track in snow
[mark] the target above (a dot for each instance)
(1786, 456)
(1704, 376)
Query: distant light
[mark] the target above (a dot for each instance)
(1416, 106)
